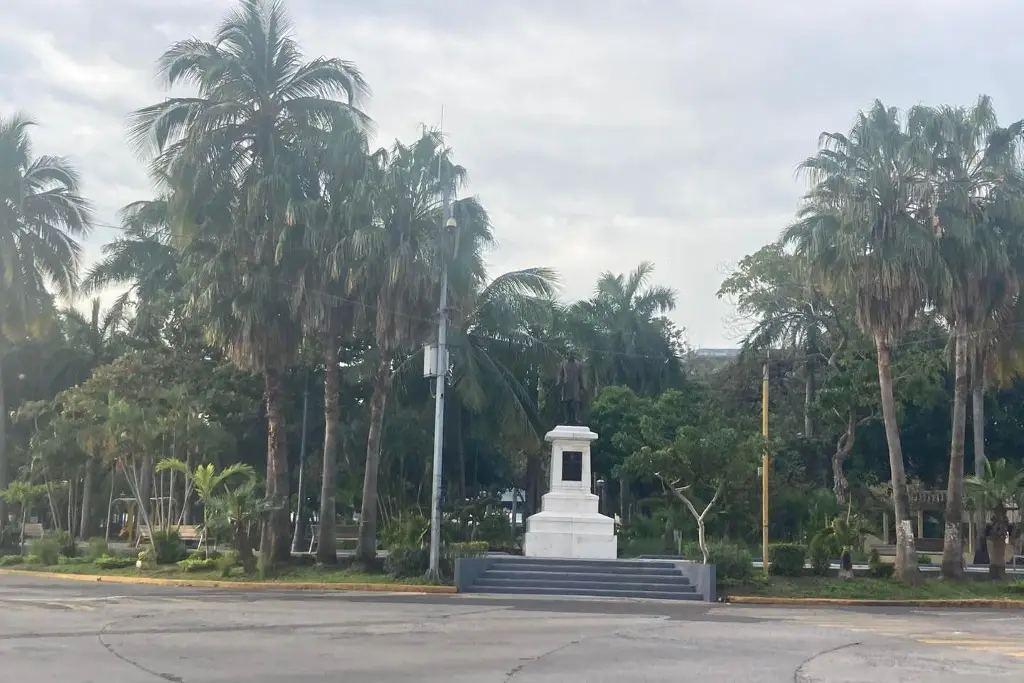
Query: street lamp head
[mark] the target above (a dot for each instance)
(21, 376)
(450, 224)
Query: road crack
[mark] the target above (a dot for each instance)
(800, 677)
(110, 648)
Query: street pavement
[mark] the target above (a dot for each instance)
(70, 632)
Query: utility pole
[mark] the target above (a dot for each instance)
(447, 230)
(764, 467)
(298, 537)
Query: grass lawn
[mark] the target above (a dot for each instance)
(291, 574)
(863, 588)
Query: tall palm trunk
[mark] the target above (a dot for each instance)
(3, 449)
(952, 545)
(978, 427)
(326, 552)
(85, 528)
(906, 552)
(366, 549)
(275, 542)
(810, 391)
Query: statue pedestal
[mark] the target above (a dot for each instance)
(569, 524)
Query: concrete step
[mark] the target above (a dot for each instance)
(486, 581)
(619, 577)
(605, 568)
(618, 564)
(592, 592)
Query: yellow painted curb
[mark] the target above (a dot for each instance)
(259, 585)
(849, 602)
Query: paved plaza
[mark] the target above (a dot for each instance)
(70, 632)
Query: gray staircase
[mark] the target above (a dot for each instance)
(607, 578)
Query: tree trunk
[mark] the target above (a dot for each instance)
(906, 552)
(3, 449)
(978, 427)
(366, 549)
(978, 419)
(997, 532)
(84, 528)
(534, 482)
(110, 504)
(326, 552)
(186, 503)
(840, 485)
(952, 545)
(275, 542)
(244, 548)
(809, 394)
(145, 489)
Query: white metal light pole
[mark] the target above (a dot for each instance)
(441, 370)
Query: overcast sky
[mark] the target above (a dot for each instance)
(598, 133)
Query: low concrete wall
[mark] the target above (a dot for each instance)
(469, 569)
(703, 576)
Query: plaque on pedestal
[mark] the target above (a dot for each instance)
(569, 524)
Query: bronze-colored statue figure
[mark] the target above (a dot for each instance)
(570, 381)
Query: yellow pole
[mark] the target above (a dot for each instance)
(764, 469)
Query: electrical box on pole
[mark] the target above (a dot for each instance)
(430, 358)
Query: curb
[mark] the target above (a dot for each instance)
(844, 602)
(240, 585)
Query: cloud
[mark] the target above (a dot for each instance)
(599, 134)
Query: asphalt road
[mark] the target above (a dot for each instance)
(70, 632)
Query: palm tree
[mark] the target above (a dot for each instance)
(236, 159)
(494, 350)
(145, 259)
(239, 508)
(865, 232)
(207, 481)
(977, 180)
(399, 271)
(42, 215)
(1001, 485)
(341, 204)
(623, 328)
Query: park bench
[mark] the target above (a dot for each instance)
(33, 530)
(190, 534)
(342, 533)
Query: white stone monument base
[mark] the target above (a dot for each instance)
(580, 536)
(569, 525)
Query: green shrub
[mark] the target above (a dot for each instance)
(924, 559)
(197, 564)
(469, 549)
(787, 559)
(11, 560)
(32, 558)
(405, 562)
(114, 562)
(46, 550)
(203, 555)
(822, 549)
(878, 569)
(493, 527)
(98, 547)
(169, 547)
(732, 562)
(409, 529)
(226, 562)
(10, 537)
(64, 541)
(1015, 587)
